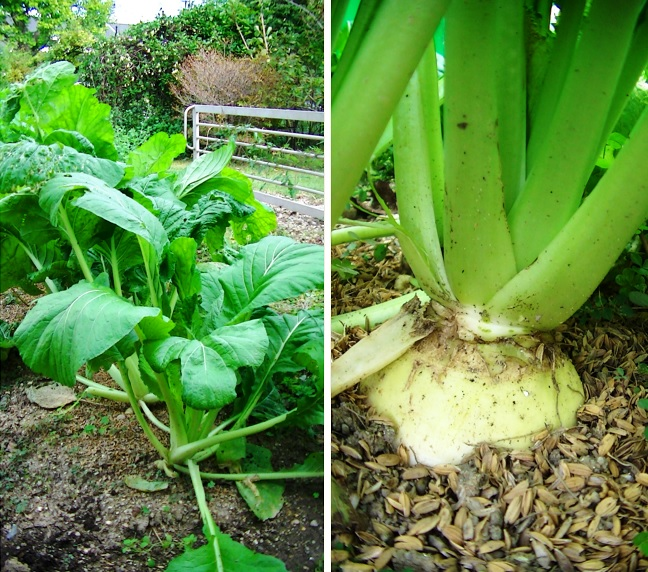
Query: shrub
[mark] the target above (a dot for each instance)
(213, 78)
(134, 72)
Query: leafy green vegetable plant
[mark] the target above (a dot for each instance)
(116, 246)
(490, 180)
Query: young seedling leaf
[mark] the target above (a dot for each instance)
(157, 154)
(65, 330)
(265, 498)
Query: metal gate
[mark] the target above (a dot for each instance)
(277, 148)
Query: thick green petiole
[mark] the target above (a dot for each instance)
(566, 273)
(65, 221)
(394, 42)
(476, 228)
(205, 514)
(181, 454)
(561, 163)
(418, 164)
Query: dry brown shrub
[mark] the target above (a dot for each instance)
(209, 77)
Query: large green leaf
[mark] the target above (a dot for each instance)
(77, 109)
(106, 203)
(234, 556)
(39, 92)
(65, 330)
(26, 164)
(202, 169)
(208, 365)
(207, 381)
(246, 228)
(274, 269)
(296, 344)
(69, 138)
(240, 345)
(157, 154)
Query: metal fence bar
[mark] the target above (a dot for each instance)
(199, 144)
(270, 131)
(283, 167)
(259, 146)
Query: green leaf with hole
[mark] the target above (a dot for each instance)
(265, 498)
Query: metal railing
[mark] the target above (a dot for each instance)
(270, 148)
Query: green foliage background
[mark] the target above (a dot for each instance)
(133, 72)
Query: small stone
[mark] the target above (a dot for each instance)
(15, 565)
(314, 523)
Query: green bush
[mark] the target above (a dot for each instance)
(134, 72)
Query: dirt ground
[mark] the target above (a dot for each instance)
(575, 502)
(64, 505)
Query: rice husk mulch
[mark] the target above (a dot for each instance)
(572, 503)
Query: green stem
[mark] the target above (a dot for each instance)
(418, 164)
(190, 449)
(361, 232)
(152, 418)
(361, 106)
(566, 153)
(277, 476)
(635, 63)
(193, 419)
(338, 12)
(545, 93)
(511, 97)
(99, 390)
(75, 244)
(114, 262)
(476, 227)
(37, 263)
(161, 449)
(149, 267)
(205, 514)
(176, 414)
(566, 273)
(199, 457)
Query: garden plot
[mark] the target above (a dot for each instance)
(65, 505)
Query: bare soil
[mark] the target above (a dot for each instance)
(64, 505)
